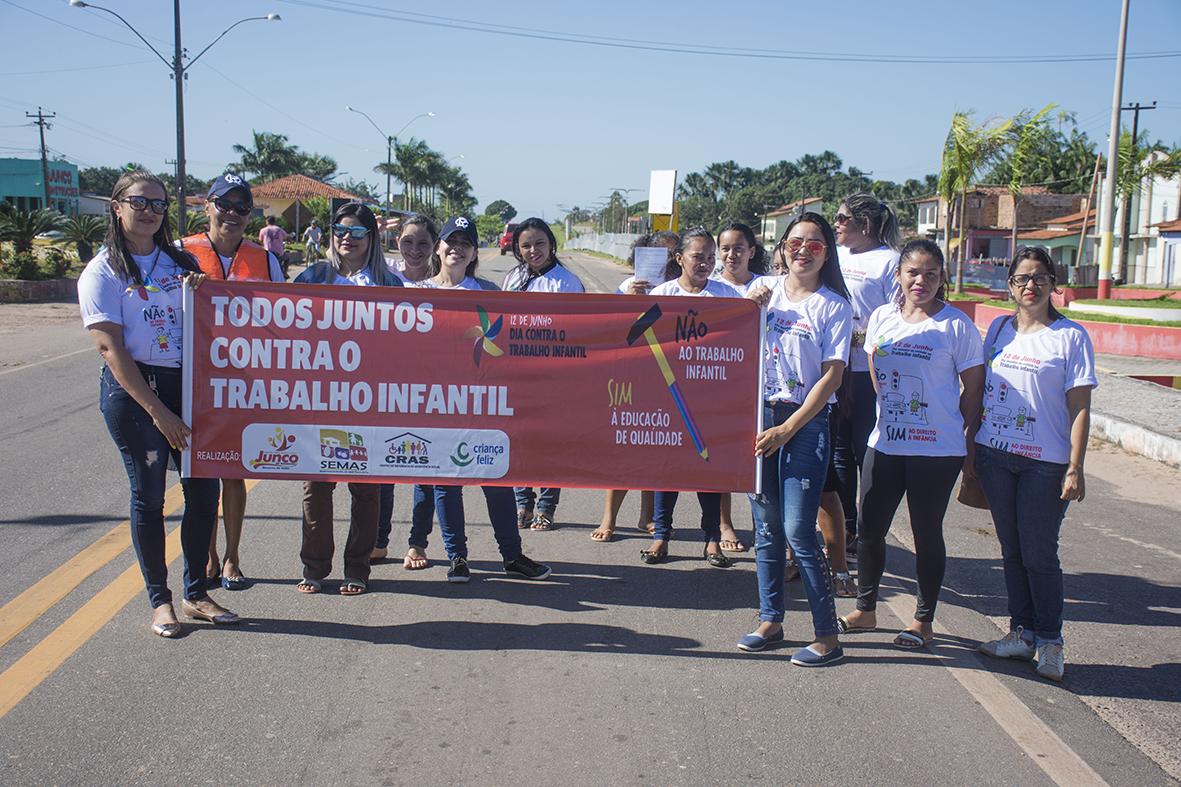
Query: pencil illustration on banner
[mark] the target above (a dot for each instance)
(643, 327)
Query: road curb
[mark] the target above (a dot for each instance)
(1137, 439)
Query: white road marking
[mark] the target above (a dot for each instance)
(22, 367)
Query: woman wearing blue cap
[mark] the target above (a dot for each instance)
(353, 258)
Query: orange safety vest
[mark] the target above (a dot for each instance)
(249, 264)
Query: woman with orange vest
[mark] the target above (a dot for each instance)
(224, 254)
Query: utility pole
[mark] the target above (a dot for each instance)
(43, 122)
(1126, 228)
(1107, 212)
(178, 76)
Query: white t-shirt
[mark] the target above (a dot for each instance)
(359, 279)
(468, 283)
(1025, 385)
(312, 235)
(149, 315)
(743, 289)
(401, 274)
(556, 279)
(870, 279)
(624, 287)
(800, 337)
(713, 288)
(917, 366)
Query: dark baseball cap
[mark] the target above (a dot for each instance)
(227, 183)
(463, 226)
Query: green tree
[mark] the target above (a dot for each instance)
(271, 156)
(501, 209)
(489, 227)
(19, 227)
(84, 232)
(1139, 160)
(1028, 133)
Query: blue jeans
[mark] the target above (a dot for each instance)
(852, 437)
(664, 503)
(546, 502)
(1025, 497)
(145, 453)
(422, 515)
(501, 513)
(785, 513)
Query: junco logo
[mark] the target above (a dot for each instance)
(462, 223)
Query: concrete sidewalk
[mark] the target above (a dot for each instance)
(1138, 416)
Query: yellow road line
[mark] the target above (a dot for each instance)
(22, 367)
(34, 602)
(50, 653)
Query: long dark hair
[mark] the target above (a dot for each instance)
(1043, 258)
(923, 246)
(759, 263)
(521, 272)
(830, 274)
(375, 262)
(118, 255)
(881, 222)
(672, 269)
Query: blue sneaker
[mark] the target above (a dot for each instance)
(806, 657)
(753, 642)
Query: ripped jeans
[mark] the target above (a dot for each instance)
(145, 453)
(785, 513)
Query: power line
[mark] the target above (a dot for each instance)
(64, 70)
(452, 23)
(72, 27)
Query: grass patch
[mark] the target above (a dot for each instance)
(602, 255)
(1162, 302)
(966, 297)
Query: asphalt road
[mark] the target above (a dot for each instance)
(612, 672)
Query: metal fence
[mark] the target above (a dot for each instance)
(616, 244)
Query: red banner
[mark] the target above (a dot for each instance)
(408, 385)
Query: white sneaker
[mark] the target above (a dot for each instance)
(1051, 662)
(1011, 646)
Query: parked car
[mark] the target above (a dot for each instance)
(506, 238)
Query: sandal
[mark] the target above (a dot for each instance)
(352, 587)
(603, 535)
(524, 518)
(843, 585)
(732, 545)
(542, 521)
(647, 529)
(308, 586)
(716, 559)
(843, 627)
(792, 572)
(414, 560)
(910, 640)
(652, 557)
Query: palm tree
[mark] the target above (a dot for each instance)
(84, 232)
(270, 157)
(1028, 132)
(967, 149)
(20, 227)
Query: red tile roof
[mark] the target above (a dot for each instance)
(298, 187)
(1169, 226)
(1073, 218)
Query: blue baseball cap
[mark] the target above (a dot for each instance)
(463, 226)
(227, 183)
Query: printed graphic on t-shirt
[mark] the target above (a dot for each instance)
(781, 365)
(1009, 418)
(163, 319)
(902, 398)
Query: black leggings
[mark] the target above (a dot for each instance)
(927, 482)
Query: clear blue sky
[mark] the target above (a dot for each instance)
(544, 122)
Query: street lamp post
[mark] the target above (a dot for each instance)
(179, 70)
(391, 142)
(626, 200)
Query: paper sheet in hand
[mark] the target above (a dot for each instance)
(650, 262)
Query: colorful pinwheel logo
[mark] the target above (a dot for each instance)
(484, 333)
(881, 348)
(143, 290)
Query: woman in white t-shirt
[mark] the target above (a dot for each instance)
(868, 240)
(130, 299)
(354, 258)
(805, 349)
(1029, 453)
(538, 270)
(613, 500)
(688, 275)
(922, 351)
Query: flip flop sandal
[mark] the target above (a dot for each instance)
(601, 537)
(415, 562)
(716, 559)
(647, 529)
(732, 545)
(910, 640)
(843, 627)
(308, 586)
(352, 587)
(542, 522)
(843, 585)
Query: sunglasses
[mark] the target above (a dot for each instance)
(1039, 279)
(224, 205)
(344, 230)
(841, 218)
(142, 203)
(813, 247)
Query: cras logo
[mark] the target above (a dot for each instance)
(278, 456)
(462, 456)
(407, 448)
(484, 334)
(342, 450)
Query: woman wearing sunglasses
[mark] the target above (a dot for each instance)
(353, 258)
(868, 239)
(130, 298)
(1029, 453)
(224, 254)
(922, 351)
(809, 325)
